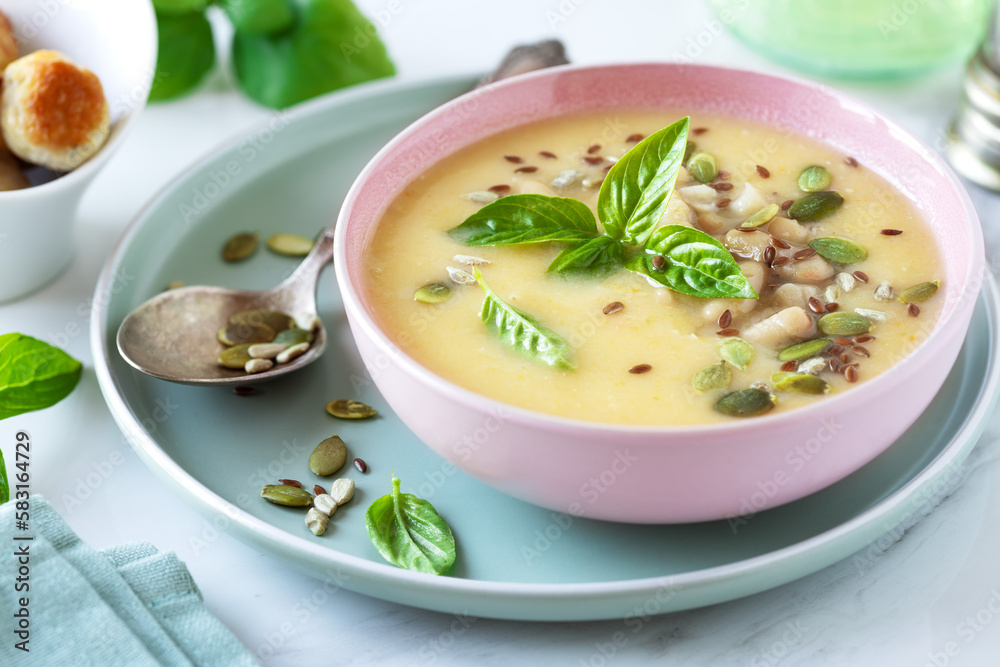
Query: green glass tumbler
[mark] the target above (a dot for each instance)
(859, 39)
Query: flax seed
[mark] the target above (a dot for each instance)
(725, 319)
(721, 187)
(788, 366)
(525, 170)
(851, 162)
(861, 275)
(360, 465)
(787, 204)
(659, 261)
(725, 333)
(805, 253)
(639, 369)
(513, 158)
(851, 374)
(816, 305)
(913, 310)
(500, 189)
(291, 482)
(780, 261)
(763, 172)
(549, 154)
(779, 243)
(593, 149)
(593, 159)
(892, 232)
(614, 307)
(633, 138)
(723, 203)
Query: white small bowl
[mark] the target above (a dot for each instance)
(116, 39)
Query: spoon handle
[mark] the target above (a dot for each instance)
(299, 289)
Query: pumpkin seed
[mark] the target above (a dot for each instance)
(737, 351)
(805, 350)
(716, 376)
(328, 457)
(348, 409)
(237, 334)
(272, 318)
(800, 383)
(814, 179)
(762, 217)
(746, 402)
(689, 148)
(841, 251)
(240, 247)
(235, 357)
(290, 245)
(815, 205)
(432, 293)
(843, 323)
(703, 166)
(291, 352)
(919, 293)
(293, 336)
(258, 365)
(289, 496)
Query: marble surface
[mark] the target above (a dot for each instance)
(926, 595)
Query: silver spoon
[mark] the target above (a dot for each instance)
(173, 335)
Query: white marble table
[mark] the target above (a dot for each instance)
(931, 597)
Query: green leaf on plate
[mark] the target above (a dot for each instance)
(33, 375)
(638, 188)
(409, 533)
(185, 55)
(523, 332)
(330, 46)
(694, 263)
(520, 219)
(259, 17)
(599, 256)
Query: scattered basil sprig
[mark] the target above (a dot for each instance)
(409, 533)
(33, 375)
(631, 202)
(284, 51)
(521, 331)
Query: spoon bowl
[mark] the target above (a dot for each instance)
(173, 335)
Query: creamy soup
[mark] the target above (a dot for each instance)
(640, 350)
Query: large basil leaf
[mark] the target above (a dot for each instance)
(523, 332)
(637, 190)
(330, 46)
(185, 54)
(600, 256)
(33, 375)
(4, 483)
(695, 263)
(409, 533)
(259, 17)
(519, 219)
(180, 6)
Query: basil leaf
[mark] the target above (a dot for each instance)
(409, 533)
(4, 484)
(696, 264)
(180, 6)
(259, 17)
(519, 219)
(637, 190)
(186, 52)
(33, 375)
(331, 46)
(523, 332)
(598, 257)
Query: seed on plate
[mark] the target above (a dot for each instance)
(659, 261)
(432, 293)
(716, 376)
(843, 323)
(762, 217)
(851, 162)
(746, 402)
(805, 253)
(841, 251)
(266, 350)
(318, 490)
(501, 189)
(342, 490)
(328, 457)
(851, 374)
(892, 232)
(780, 261)
(291, 352)
(593, 159)
(317, 522)
(721, 187)
(725, 319)
(883, 292)
(239, 334)
(787, 204)
(779, 243)
(723, 203)
(703, 167)
(920, 293)
(289, 496)
(814, 179)
(361, 465)
(639, 369)
(614, 307)
(913, 310)
(815, 206)
(763, 172)
(258, 365)
(244, 391)
(816, 305)
(290, 245)
(460, 277)
(471, 260)
(345, 408)
(788, 366)
(240, 246)
(513, 158)
(526, 170)
(593, 149)
(805, 350)
(482, 197)
(290, 482)
(549, 154)
(861, 275)
(235, 357)
(633, 138)
(325, 503)
(729, 331)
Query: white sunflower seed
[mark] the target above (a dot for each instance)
(291, 352)
(482, 197)
(812, 366)
(566, 178)
(846, 281)
(342, 490)
(461, 277)
(316, 521)
(258, 365)
(884, 291)
(266, 350)
(325, 503)
(471, 260)
(873, 315)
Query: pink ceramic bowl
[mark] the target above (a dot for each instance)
(664, 474)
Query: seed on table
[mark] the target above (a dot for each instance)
(769, 254)
(593, 159)
(258, 365)
(240, 246)
(499, 189)
(347, 409)
(526, 170)
(816, 305)
(780, 261)
(788, 366)
(659, 261)
(244, 391)
(325, 503)
(593, 149)
(725, 319)
(779, 243)
(513, 158)
(328, 457)
(639, 369)
(614, 307)
(317, 522)
(291, 352)
(851, 162)
(851, 374)
(861, 275)
(319, 490)
(787, 204)
(913, 310)
(342, 490)
(289, 496)
(805, 253)
(725, 333)
(723, 203)
(290, 482)
(361, 465)
(633, 138)
(763, 172)
(892, 232)
(549, 154)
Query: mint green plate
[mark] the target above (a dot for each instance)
(217, 450)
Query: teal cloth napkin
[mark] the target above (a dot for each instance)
(127, 605)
